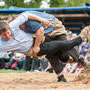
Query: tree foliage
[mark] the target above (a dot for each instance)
(76, 2)
(37, 3)
(56, 3)
(33, 4)
(62, 3)
(18, 3)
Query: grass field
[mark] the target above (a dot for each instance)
(12, 71)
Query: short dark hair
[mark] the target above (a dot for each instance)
(3, 26)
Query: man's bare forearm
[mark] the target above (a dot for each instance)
(34, 17)
(44, 21)
(39, 36)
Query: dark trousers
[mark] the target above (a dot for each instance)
(2, 63)
(56, 46)
(52, 46)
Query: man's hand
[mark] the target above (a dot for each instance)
(36, 50)
(44, 21)
(39, 38)
(48, 22)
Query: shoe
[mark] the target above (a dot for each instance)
(61, 78)
(85, 33)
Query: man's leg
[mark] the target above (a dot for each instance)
(57, 66)
(62, 56)
(72, 52)
(55, 46)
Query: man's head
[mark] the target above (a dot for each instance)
(5, 31)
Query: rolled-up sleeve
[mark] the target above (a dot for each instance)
(18, 21)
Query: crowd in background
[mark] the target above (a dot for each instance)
(18, 61)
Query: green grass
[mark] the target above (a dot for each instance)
(12, 71)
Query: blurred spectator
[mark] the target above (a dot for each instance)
(43, 63)
(74, 35)
(35, 63)
(28, 63)
(67, 68)
(19, 59)
(4, 57)
(49, 68)
(8, 64)
(69, 34)
(87, 58)
(70, 68)
(11, 54)
(74, 67)
(84, 47)
(79, 68)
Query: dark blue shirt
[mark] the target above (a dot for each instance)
(32, 26)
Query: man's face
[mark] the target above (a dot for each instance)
(6, 35)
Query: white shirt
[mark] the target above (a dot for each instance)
(4, 55)
(18, 55)
(20, 40)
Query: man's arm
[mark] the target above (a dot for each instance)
(39, 38)
(44, 21)
(25, 16)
